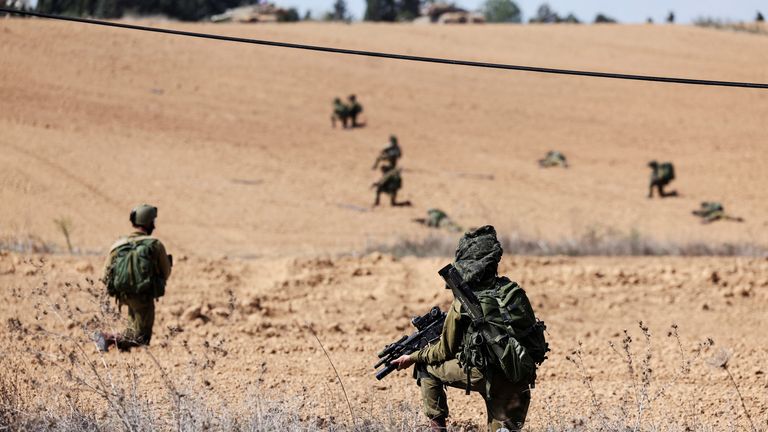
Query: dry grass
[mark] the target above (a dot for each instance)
(592, 242)
(51, 381)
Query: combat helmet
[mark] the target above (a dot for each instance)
(144, 215)
(478, 254)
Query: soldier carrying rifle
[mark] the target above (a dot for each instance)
(491, 342)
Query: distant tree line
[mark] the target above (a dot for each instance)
(185, 10)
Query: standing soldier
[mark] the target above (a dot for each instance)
(661, 175)
(463, 357)
(355, 109)
(389, 154)
(135, 273)
(340, 113)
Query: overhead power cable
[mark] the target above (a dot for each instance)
(535, 69)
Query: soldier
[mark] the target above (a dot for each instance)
(553, 158)
(661, 175)
(389, 154)
(712, 211)
(355, 109)
(437, 366)
(437, 218)
(390, 183)
(340, 113)
(135, 273)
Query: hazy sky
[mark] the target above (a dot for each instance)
(633, 11)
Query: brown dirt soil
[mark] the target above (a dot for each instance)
(239, 325)
(233, 143)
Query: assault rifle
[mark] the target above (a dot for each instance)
(428, 329)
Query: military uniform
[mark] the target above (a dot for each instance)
(355, 109)
(340, 112)
(390, 183)
(141, 309)
(390, 154)
(506, 402)
(713, 211)
(437, 365)
(553, 158)
(437, 218)
(661, 175)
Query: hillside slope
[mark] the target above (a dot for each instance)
(233, 142)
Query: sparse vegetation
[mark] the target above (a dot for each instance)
(757, 27)
(65, 226)
(592, 242)
(500, 11)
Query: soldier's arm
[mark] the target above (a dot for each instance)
(163, 262)
(450, 339)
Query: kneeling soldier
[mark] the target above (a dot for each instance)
(501, 368)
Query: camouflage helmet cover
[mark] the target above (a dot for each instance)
(478, 255)
(144, 215)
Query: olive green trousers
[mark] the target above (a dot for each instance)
(506, 403)
(141, 318)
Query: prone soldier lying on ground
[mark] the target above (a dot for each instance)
(390, 183)
(553, 158)
(390, 154)
(437, 218)
(711, 211)
(135, 273)
(491, 341)
(661, 175)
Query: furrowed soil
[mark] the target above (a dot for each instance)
(266, 208)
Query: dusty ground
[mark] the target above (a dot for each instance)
(247, 317)
(233, 143)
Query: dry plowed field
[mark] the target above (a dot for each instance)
(266, 209)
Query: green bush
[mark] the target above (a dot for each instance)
(502, 11)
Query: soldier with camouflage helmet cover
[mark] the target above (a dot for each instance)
(135, 273)
(444, 364)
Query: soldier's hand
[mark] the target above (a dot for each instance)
(403, 362)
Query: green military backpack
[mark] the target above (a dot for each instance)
(523, 342)
(666, 172)
(133, 271)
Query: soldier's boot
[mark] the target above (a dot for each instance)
(376, 202)
(103, 340)
(437, 424)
